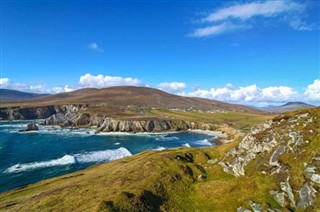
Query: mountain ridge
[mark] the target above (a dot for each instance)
(131, 96)
(15, 95)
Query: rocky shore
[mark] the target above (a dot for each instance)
(77, 116)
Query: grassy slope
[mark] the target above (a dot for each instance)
(158, 180)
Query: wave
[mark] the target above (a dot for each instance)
(89, 157)
(204, 142)
(164, 138)
(186, 145)
(160, 148)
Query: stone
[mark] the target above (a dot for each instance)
(241, 209)
(279, 197)
(307, 194)
(285, 186)
(31, 127)
(275, 156)
(256, 207)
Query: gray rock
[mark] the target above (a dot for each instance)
(31, 127)
(275, 155)
(241, 209)
(285, 186)
(279, 197)
(256, 207)
(315, 178)
(307, 195)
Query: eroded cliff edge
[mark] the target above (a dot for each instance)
(78, 116)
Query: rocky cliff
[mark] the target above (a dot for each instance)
(76, 115)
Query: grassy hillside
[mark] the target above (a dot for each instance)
(187, 179)
(133, 97)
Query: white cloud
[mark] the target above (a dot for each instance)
(101, 81)
(94, 46)
(59, 89)
(217, 29)
(172, 86)
(248, 10)
(6, 83)
(312, 92)
(244, 16)
(248, 94)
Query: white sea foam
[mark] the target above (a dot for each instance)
(164, 138)
(89, 157)
(160, 148)
(117, 143)
(203, 142)
(186, 145)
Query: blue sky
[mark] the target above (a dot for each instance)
(248, 52)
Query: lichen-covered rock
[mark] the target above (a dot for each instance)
(279, 197)
(241, 209)
(256, 207)
(307, 194)
(286, 187)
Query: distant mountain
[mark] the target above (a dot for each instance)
(290, 106)
(7, 95)
(141, 97)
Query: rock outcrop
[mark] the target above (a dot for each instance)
(31, 127)
(268, 142)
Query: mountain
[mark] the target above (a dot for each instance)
(130, 96)
(7, 95)
(290, 106)
(274, 167)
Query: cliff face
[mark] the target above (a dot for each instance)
(76, 115)
(107, 124)
(22, 113)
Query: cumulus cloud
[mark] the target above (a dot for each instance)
(94, 46)
(312, 92)
(59, 89)
(85, 81)
(242, 16)
(101, 81)
(6, 83)
(172, 86)
(248, 94)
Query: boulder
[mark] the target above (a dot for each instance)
(31, 127)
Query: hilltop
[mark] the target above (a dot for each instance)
(274, 167)
(290, 106)
(124, 96)
(7, 95)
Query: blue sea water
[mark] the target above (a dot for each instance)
(28, 157)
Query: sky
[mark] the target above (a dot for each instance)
(247, 52)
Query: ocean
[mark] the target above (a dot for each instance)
(28, 157)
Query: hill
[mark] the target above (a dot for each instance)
(275, 167)
(290, 106)
(140, 97)
(7, 95)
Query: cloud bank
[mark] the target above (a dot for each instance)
(244, 16)
(172, 87)
(250, 94)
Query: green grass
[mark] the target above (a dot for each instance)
(167, 180)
